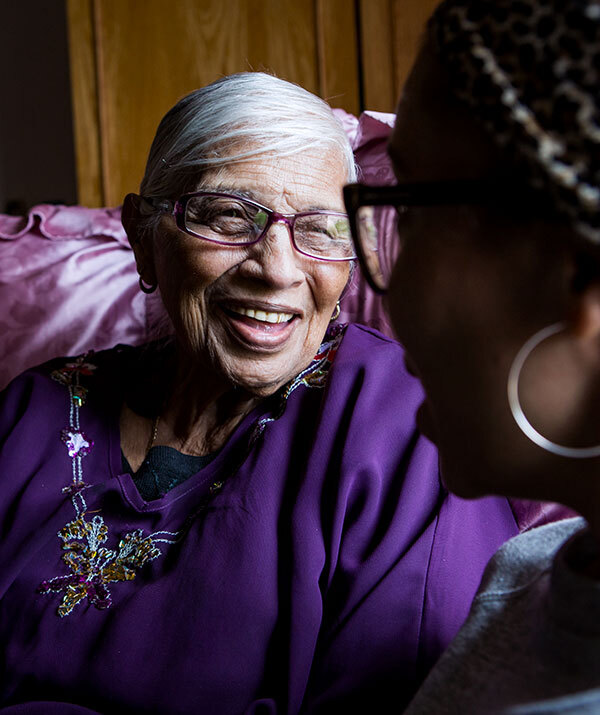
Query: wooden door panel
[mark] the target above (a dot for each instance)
(84, 98)
(391, 32)
(377, 53)
(337, 54)
(149, 53)
(280, 37)
(408, 22)
(133, 59)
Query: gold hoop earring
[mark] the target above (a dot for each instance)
(336, 312)
(147, 288)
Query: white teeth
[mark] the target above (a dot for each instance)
(265, 317)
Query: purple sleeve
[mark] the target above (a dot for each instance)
(398, 652)
(47, 708)
(407, 557)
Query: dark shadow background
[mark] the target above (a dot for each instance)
(37, 161)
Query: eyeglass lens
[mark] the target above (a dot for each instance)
(224, 219)
(378, 235)
(231, 221)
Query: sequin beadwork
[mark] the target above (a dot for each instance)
(92, 565)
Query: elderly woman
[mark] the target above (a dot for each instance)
(496, 296)
(242, 518)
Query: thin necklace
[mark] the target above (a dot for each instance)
(152, 434)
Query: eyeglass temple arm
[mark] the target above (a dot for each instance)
(160, 204)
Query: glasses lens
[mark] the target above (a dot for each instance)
(224, 219)
(377, 228)
(324, 235)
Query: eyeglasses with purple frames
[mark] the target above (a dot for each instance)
(233, 220)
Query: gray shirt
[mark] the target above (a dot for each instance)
(531, 643)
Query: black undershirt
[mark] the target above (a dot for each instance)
(164, 468)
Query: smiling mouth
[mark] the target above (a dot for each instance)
(261, 315)
(257, 329)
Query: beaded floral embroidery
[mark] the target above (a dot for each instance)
(92, 565)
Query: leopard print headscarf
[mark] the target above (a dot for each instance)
(530, 71)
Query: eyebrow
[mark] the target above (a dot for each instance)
(242, 193)
(246, 194)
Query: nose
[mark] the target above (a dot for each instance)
(274, 259)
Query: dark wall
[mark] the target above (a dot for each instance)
(37, 163)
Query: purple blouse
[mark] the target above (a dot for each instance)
(317, 564)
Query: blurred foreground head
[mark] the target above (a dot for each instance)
(503, 103)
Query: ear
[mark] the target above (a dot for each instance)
(559, 382)
(131, 217)
(584, 321)
(139, 240)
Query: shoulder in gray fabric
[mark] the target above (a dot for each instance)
(524, 557)
(584, 703)
(513, 651)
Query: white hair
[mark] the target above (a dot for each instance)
(236, 118)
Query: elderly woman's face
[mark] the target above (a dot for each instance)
(468, 289)
(255, 315)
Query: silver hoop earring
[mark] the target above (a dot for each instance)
(147, 288)
(517, 411)
(336, 312)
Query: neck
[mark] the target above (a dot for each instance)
(197, 409)
(202, 409)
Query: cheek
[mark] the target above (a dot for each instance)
(190, 266)
(409, 295)
(327, 281)
(187, 273)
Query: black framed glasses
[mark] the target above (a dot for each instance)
(374, 213)
(233, 220)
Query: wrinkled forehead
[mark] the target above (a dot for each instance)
(435, 137)
(306, 180)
